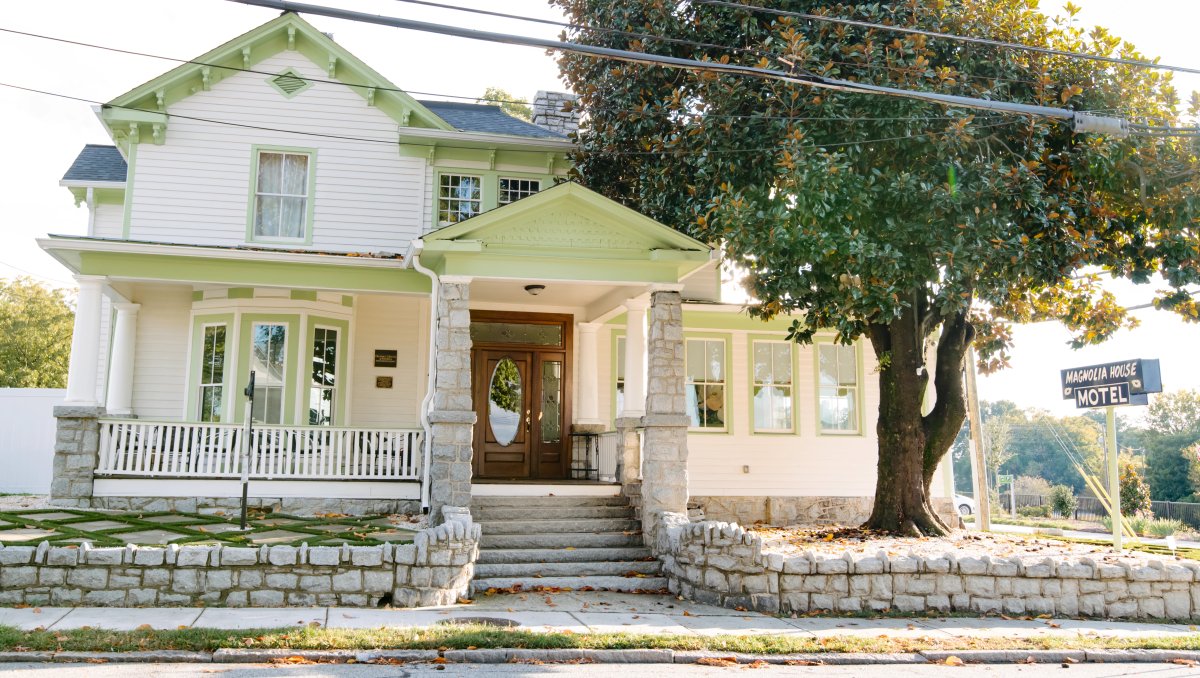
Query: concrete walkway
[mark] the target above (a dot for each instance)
(577, 612)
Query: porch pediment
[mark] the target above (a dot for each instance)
(566, 232)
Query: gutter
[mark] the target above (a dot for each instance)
(413, 260)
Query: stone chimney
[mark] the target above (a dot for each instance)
(548, 111)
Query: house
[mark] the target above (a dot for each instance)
(432, 313)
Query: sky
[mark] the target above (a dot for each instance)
(44, 134)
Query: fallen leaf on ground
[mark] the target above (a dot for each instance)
(758, 664)
(953, 661)
(717, 661)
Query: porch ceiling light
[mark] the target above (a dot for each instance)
(534, 289)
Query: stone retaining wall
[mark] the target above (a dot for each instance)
(300, 506)
(723, 564)
(436, 569)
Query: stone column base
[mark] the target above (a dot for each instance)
(76, 452)
(450, 461)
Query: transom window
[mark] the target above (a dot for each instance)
(460, 197)
(772, 386)
(838, 390)
(268, 359)
(512, 190)
(212, 373)
(281, 195)
(706, 383)
(323, 390)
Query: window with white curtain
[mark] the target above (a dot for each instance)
(281, 196)
(838, 389)
(772, 387)
(705, 390)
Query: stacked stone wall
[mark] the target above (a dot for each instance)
(556, 111)
(436, 569)
(723, 564)
(300, 506)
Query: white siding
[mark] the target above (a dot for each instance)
(108, 220)
(398, 323)
(798, 464)
(704, 285)
(160, 368)
(195, 187)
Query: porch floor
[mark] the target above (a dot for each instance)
(67, 526)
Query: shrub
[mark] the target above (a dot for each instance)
(1032, 485)
(1034, 511)
(1137, 523)
(1163, 528)
(1135, 493)
(1063, 501)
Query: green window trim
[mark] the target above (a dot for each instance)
(859, 430)
(489, 187)
(310, 198)
(751, 339)
(199, 323)
(291, 362)
(340, 369)
(728, 419)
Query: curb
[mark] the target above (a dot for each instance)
(640, 656)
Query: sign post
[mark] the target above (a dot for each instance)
(1109, 386)
(1012, 492)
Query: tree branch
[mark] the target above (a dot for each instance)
(943, 422)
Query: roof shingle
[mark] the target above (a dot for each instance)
(97, 162)
(486, 118)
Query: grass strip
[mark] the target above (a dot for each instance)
(445, 637)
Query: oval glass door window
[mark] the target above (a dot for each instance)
(504, 402)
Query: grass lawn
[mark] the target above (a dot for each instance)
(454, 636)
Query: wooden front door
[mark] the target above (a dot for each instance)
(520, 375)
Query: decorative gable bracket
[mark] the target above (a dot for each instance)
(137, 125)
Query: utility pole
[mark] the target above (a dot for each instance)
(983, 505)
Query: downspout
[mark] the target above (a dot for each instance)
(435, 293)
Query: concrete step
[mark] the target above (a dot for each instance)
(628, 584)
(562, 555)
(531, 570)
(557, 526)
(482, 513)
(527, 502)
(559, 540)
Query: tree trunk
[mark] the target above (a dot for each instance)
(912, 444)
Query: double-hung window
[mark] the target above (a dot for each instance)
(268, 359)
(323, 389)
(460, 197)
(838, 388)
(513, 189)
(212, 373)
(281, 195)
(772, 386)
(705, 388)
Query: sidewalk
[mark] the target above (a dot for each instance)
(581, 612)
(1097, 536)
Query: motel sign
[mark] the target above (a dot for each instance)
(1113, 384)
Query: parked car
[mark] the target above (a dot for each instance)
(966, 505)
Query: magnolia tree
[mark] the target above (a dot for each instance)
(924, 229)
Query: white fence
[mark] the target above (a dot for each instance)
(139, 449)
(27, 429)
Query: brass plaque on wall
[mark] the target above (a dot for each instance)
(383, 382)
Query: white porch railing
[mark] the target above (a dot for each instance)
(133, 448)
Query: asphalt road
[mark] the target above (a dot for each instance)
(588, 671)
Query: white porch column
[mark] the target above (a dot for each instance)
(635, 358)
(589, 388)
(120, 372)
(85, 342)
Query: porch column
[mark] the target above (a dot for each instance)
(635, 358)
(120, 374)
(589, 388)
(453, 414)
(664, 459)
(85, 342)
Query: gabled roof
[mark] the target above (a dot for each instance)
(487, 118)
(286, 32)
(97, 162)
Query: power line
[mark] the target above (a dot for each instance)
(951, 36)
(451, 146)
(1083, 122)
(341, 83)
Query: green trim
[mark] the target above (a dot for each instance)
(532, 267)
(735, 321)
(729, 406)
(291, 361)
(343, 347)
(304, 295)
(293, 73)
(197, 353)
(127, 213)
(489, 193)
(793, 359)
(199, 270)
(612, 371)
(484, 155)
(310, 200)
(348, 300)
(198, 295)
(859, 388)
(240, 293)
